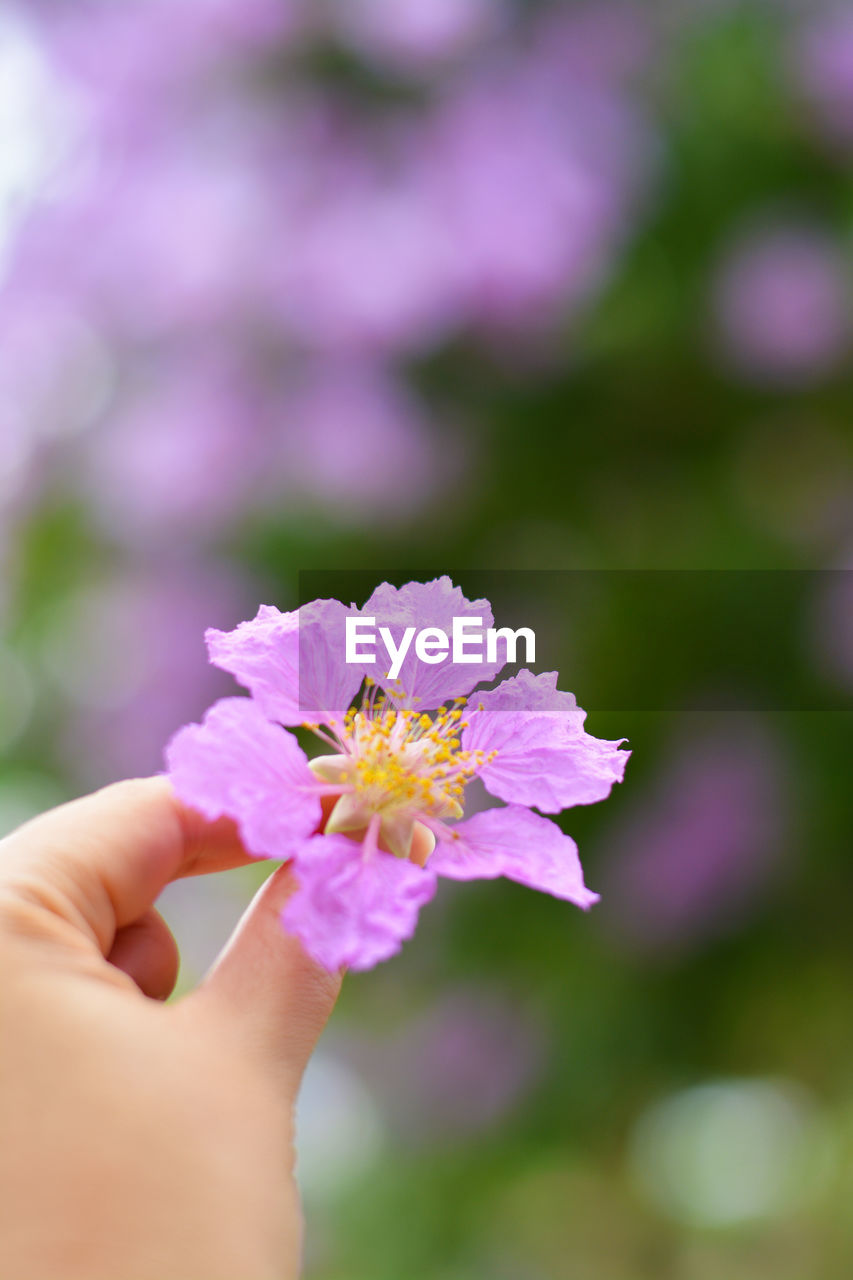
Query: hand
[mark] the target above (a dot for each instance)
(139, 1140)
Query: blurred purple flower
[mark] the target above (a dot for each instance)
(179, 457)
(219, 199)
(695, 853)
(781, 304)
(55, 369)
(132, 62)
(417, 36)
(505, 197)
(366, 263)
(36, 122)
(823, 70)
(154, 242)
(503, 201)
(126, 654)
(533, 181)
(256, 25)
(456, 1069)
(16, 475)
(604, 42)
(336, 420)
(55, 377)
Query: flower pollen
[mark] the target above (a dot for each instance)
(397, 765)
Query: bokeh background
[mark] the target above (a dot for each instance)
(336, 284)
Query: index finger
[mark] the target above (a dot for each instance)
(102, 861)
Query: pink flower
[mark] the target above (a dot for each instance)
(454, 1069)
(392, 785)
(781, 304)
(694, 857)
(822, 66)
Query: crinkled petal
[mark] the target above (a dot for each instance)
(542, 754)
(237, 763)
(351, 910)
(527, 692)
(429, 604)
(294, 664)
(516, 843)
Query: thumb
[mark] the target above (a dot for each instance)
(264, 989)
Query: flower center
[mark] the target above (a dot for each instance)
(399, 764)
(404, 760)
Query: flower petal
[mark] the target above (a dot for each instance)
(353, 911)
(428, 604)
(516, 843)
(236, 763)
(543, 756)
(292, 663)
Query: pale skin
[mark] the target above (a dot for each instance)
(141, 1140)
